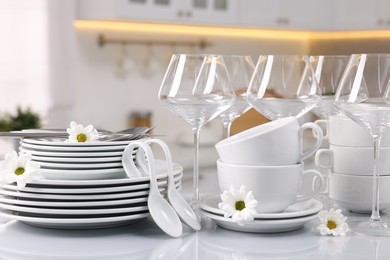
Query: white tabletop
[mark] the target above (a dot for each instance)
(144, 240)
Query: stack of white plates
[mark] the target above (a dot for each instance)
(76, 161)
(81, 204)
(293, 218)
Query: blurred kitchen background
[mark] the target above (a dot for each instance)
(102, 62)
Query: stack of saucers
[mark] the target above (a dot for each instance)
(293, 218)
(82, 204)
(76, 161)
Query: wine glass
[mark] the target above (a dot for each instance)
(328, 70)
(363, 95)
(240, 70)
(196, 87)
(283, 86)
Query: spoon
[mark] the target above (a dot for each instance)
(161, 211)
(181, 206)
(128, 163)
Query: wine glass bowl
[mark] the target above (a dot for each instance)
(328, 70)
(363, 95)
(240, 70)
(196, 87)
(283, 86)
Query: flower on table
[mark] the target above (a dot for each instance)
(239, 204)
(333, 223)
(19, 169)
(80, 134)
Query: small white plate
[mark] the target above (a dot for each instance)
(79, 165)
(76, 223)
(61, 142)
(73, 212)
(73, 204)
(76, 159)
(87, 174)
(209, 202)
(72, 154)
(261, 225)
(49, 148)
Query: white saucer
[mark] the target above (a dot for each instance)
(86, 160)
(72, 204)
(73, 154)
(84, 174)
(42, 212)
(61, 142)
(76, 223)
(261, 225)
(209, 202)
(50, 148)
(102, 165)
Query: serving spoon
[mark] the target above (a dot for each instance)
(160, 210)
(181, 206)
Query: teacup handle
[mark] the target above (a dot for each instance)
(319, 161)
(317, 175)
(323, 123)
(318, 135)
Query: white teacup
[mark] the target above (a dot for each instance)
(274, 187)
(344, 131)
(352, 160)
(277, 142)
(354, 192)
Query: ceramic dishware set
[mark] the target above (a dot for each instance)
(349, 160)
(86, 185)
(268, 160)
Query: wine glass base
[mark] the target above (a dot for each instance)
(370, 227)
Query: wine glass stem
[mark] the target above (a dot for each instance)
(375, 203)
(196, 170)
(226, 129)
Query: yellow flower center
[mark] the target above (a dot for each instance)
(240, 205)
(19, 171)
(331, 224)
(81, 138)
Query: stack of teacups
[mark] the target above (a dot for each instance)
(349, 159)
(267, 159)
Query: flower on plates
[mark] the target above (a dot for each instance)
(79, 133)
(238, 204)
(19, 169)
(333, 223)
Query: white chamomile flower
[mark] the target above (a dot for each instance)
(238, 204)
(19, 169)
(80, 134)
(333, 223)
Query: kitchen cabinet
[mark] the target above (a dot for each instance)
(175, 11)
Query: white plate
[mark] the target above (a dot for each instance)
(79, 165)
(72, 154)
(82, 197)
(161, 169)
(210, 202)
(73, 212)
(73, 204)
(76, 223)
(94, 190)
(48, 148)
(87, 174)
(261, 225)
(76, 159)
(61, 142)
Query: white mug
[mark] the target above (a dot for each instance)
(352, 160)
(274, 187)
(277, 142)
